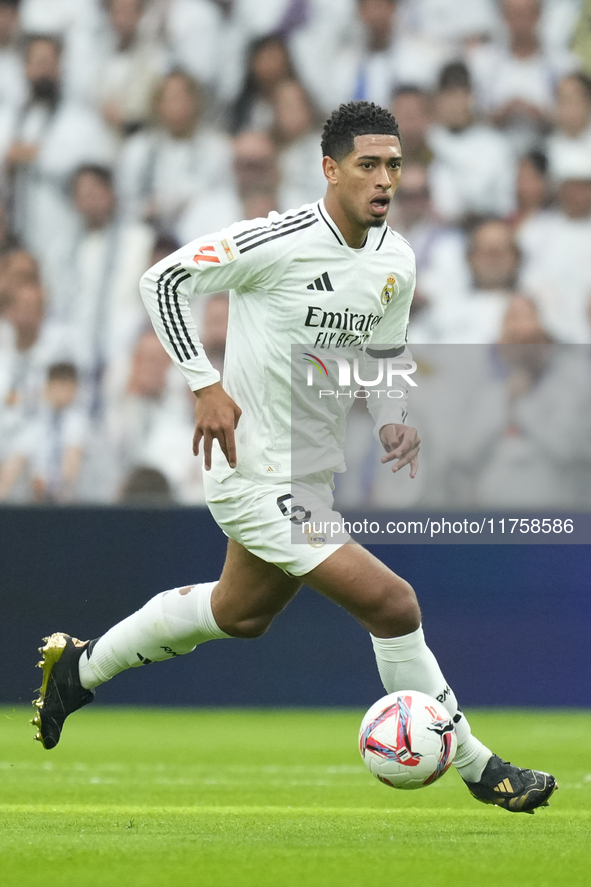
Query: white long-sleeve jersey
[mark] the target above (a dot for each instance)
(297, 293)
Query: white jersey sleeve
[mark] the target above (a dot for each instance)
(246, 257)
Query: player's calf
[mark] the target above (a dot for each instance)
(384, 603)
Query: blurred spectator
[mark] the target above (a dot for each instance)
(412, 108)
(52, 444)
(16, 266)
(558, 23)
(196, 32)
(12, 75)
(413, 214)
(50, 137)
(475, 317)
(493, 256)
(249, 21)
(388, 57)
(48, 16)
(163, 247)
(515, 77)
(29, 343)
(360, 52)
(151, 423)
(145, 487)
(7, 241)
(171, 164)
(557, 271)
(581, 44)
(116, 66)
(572, 116)
(259, 203)
(473, 170)
(144, 399)
(505, 451)
(255, 173)
(534, 193)
(297, 131)
(522, 326)
(21, 266)
(323, 47)
(268, 64)
(439, 248)
(533, 189)
(99, 292)
(274, 16)
(452, 21)
(255, 162)
(128, 71)
(376, 70)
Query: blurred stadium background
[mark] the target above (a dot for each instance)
(130, 127)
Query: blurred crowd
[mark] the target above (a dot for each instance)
(128, 127)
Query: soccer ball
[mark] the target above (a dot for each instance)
(407, 739)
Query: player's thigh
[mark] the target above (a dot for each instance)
(378, 598)
(250, 588)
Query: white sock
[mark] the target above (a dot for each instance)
(407, 663)
(169, 625)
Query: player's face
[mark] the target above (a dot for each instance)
(368, 177)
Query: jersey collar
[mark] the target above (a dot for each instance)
(371, 234)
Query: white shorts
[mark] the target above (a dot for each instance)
(267, 518)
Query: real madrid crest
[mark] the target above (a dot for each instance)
(388, 291)
(316, 540)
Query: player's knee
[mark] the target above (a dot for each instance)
(251, 627)
(397, 612)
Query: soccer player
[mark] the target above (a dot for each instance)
(292, 277)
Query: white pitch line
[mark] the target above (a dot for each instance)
(137, 810)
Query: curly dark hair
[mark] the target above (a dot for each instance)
(355, 119)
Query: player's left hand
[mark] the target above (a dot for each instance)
(403, 443)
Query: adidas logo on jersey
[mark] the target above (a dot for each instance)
(322, 283)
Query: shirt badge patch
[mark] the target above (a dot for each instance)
(228, 251)
(206, 254)
(388, 291)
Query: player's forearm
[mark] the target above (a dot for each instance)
(387, 401)
(389, 415)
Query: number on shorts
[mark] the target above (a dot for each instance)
(297, 514)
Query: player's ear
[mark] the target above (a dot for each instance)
(330, 168)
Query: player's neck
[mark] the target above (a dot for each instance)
(353, 234)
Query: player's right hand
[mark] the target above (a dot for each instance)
(216, 417)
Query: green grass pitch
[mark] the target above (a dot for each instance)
(156, 798)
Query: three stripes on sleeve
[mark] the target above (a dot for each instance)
(171, 314)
